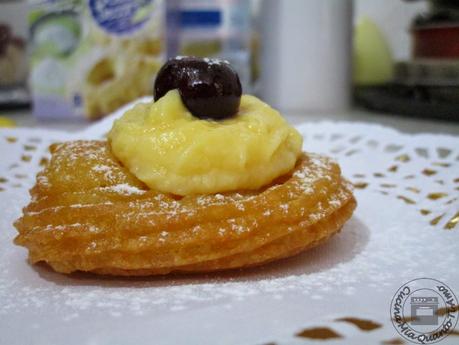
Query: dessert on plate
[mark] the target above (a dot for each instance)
(202, 179)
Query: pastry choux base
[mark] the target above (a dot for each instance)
(88, 213)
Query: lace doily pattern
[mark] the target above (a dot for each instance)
(419, 170)
(24, 153)
(407, 187)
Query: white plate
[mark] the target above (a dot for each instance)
(356, 274)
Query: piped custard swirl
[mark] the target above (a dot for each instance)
(172, 151)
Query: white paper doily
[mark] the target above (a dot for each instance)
(405, 227)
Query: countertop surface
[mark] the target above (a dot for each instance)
(402, 124)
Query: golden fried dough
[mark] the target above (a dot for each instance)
(89, 213)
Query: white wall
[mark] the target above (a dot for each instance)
(14, 13)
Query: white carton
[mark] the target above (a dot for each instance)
(89, 57)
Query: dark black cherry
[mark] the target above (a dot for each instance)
(209, 88)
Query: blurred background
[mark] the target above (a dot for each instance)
(69, 62)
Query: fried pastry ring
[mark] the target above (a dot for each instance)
(89, 213)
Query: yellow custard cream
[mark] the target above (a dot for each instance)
(172, 151)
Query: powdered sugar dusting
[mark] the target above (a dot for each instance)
(125, 189)
(358, 262)
(377, 251)
(162, 236)
(107, 170)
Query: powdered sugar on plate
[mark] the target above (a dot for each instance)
(355, 274)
